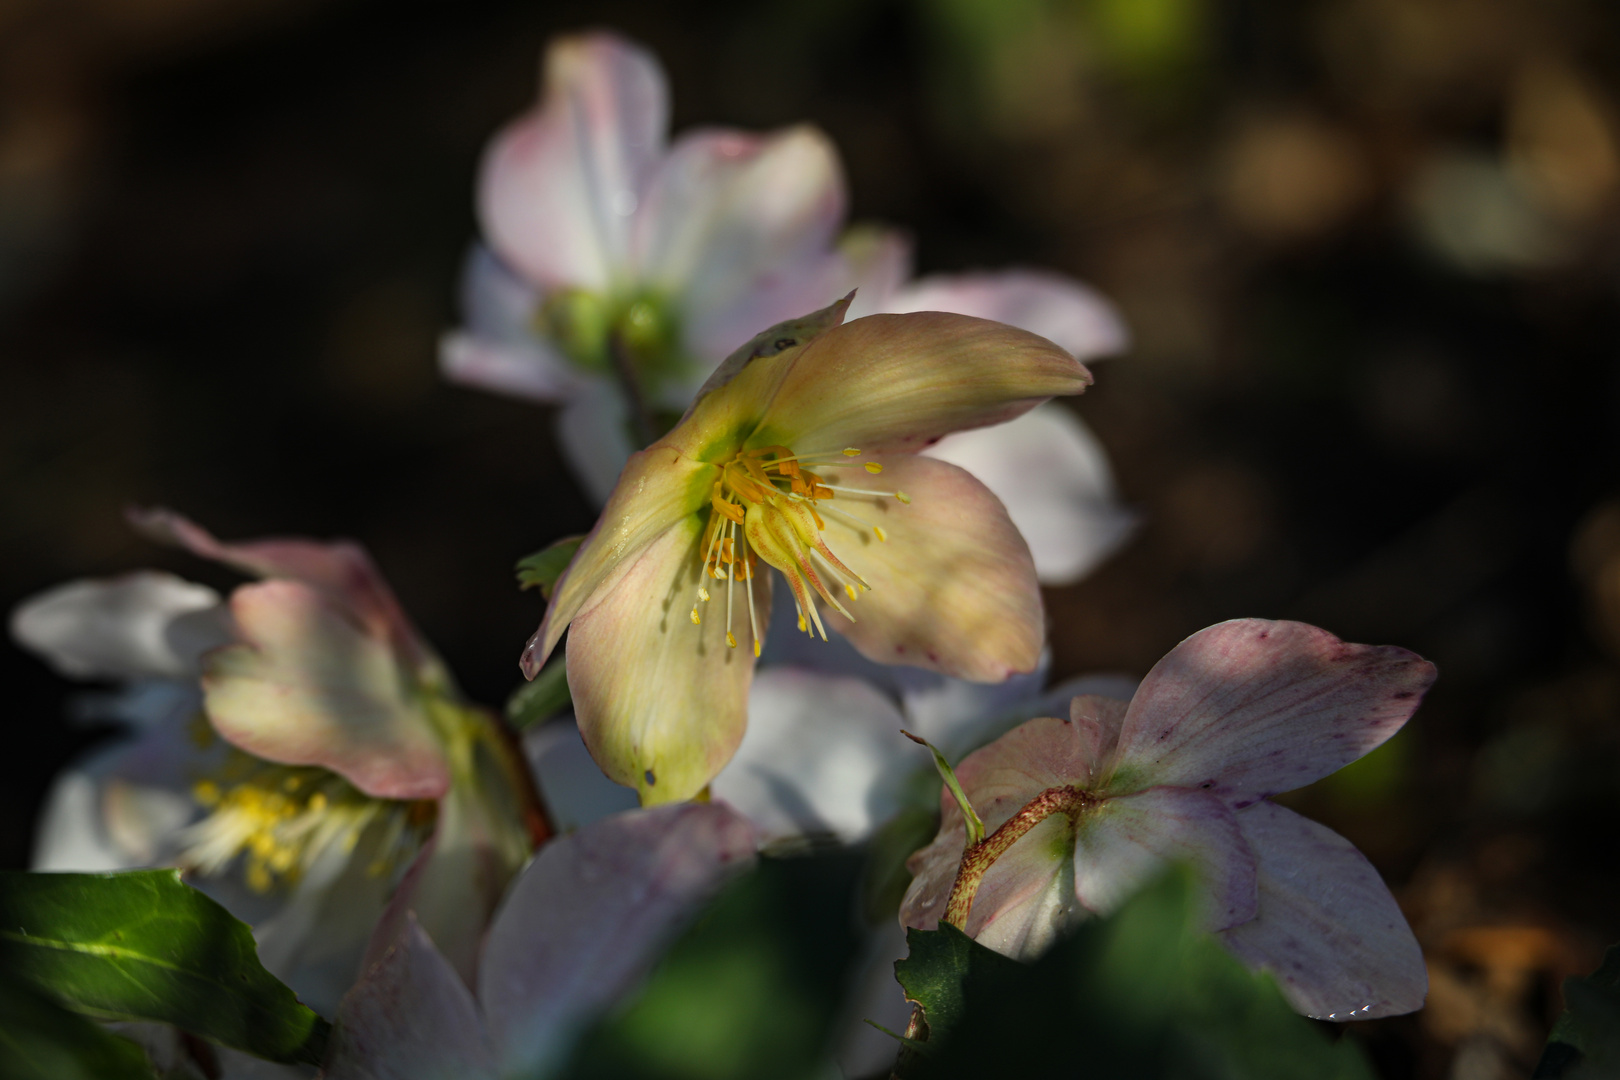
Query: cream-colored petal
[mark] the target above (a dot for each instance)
(658, 488)
(662, 702)
(901, 382)
(143, 624)
(308, 687)
(952, 588)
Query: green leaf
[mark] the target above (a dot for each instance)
(542, 569)
(540, 698)
(1144, 993)
(145, 946)
(970, 817)
(1585, 1042)
(40, 1040)
(752, 989)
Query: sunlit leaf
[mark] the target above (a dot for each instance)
(144, 946)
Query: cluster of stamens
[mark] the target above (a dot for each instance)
(768, 506)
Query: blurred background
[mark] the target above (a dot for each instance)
(1369, 250)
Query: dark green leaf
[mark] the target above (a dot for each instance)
(542, 569)
(1142, 994)
(753, 989)
(40, 1040)
(145, 946)
(1585, 1042)
(540, 698)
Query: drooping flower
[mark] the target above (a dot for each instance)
(912, 559)
(1080, 812)
(621, 268)
(579, 928)
(303, 730)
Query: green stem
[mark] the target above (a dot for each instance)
(978, 858)
(624, 366)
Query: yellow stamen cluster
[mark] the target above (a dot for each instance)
(768, 506)
(282, 818)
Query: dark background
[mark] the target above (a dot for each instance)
(1367, 248)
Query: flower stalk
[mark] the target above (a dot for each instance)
(978, 858)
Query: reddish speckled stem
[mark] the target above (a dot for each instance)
(978, 859)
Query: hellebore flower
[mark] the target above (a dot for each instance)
(1080, 812)
(925, 569)
(577, 931)
(623, 268)
(346, 753)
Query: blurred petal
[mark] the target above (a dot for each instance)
(341, 569)
(1057, 308)
(1053, 477)
(730, 218)
(594, 434)
(409, 1018)
(143, 624)
(901, 382)
(307, 687)
(590, 915)
(657, 490)
(1250, 707)
(72, 834)
(558, 186)
(956, 715)
(1328, 929)
(821, 755)
(530, 371)
(878, 262)
(1126, 842)
(572, 786)
(662, 703)
(953, 588)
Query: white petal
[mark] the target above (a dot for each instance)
(574, 789)
(1058, 308)
(593, 433)
(144, 624)
(589, 916)
(72, 837)
(822, 754)
(1327, 928)
(527, 371)
(1052, 474)
(958, 716)
(878, 262)
(410, 1018)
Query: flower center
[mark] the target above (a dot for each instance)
(768, 506)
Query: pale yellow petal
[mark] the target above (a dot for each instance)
(662, 702)
(952, 588)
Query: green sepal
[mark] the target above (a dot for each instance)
(543, 569)
(40, 1040)
(145, 946)
(1585, 1042)
(1144, 993)
(540, 698)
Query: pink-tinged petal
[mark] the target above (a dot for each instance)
(497, 304)
(933, 871)
(1059, 309)
(901, 382)
(571, 785)
(308, 687)
(1052, 475)
(661, 702)
(409, 1018)
(806, 286)
(591, 914)
(1097, 721)
(878, 262)
(1027, 899)
(146, 624)
(1249, 708)
(593, 432)
(341, 569)
(822, 754)
(1126, 842)
(1327, 928)
(559, 186)
(953, 589)
(530, 371)
(659, 489)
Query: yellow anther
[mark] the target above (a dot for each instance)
(903, 497)
(850, 451)
(851, 590)
(696, 619)
(756, 648)
(883, 537)
(731, 639)
(873, 467)
(801, 622)
(703, 593)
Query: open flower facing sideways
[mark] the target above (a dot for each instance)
(302, 730)
(1080, 812)
(801, 456)
(621, 268)
(620, 271)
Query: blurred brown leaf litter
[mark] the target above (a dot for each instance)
(1367, 249)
